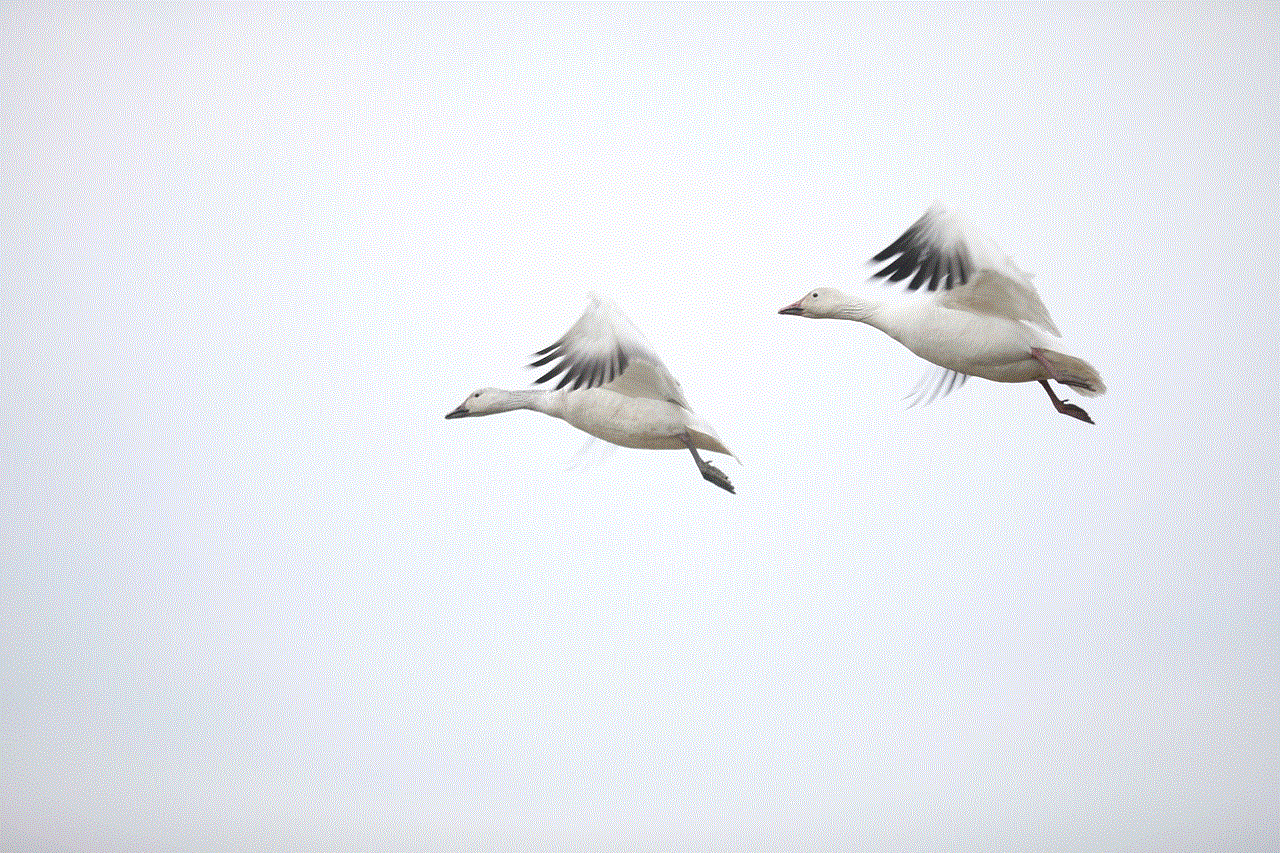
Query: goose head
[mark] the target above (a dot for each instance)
(485, 401)
(819, 302)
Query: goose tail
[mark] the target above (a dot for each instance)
(1076, 373)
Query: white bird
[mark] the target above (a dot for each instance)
(986, 320)
(614, 387)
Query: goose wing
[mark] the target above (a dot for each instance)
(935, 383)
(940, 251)
(605, 349)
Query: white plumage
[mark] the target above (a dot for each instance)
(613, 386)
(969, 309)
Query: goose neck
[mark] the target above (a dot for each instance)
(537, 399)
(862, 307)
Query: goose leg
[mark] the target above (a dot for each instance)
(1061, 405)
(710, 473)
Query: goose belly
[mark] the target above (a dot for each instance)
(969, 343)
(626, 421)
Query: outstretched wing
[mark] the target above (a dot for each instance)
(605, 349)
(932, 251)
(940, 252)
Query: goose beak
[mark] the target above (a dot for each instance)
(793, 308)
(460, 412)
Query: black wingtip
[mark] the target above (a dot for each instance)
(549, 374)
(902, 267)
(554, 354)
(573, 377)
(931, 266)
(924, 274)
(580, 374)
(905, 240)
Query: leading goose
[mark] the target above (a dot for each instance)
(982, 322)
(614, 387)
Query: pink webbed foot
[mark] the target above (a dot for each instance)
(1066, 408)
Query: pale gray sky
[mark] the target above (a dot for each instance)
(259, 595)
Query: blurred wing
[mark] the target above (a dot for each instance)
(605, 349)
(593, 452)
(933, 252)
(934, 384)
(940, 251)
(997, 295)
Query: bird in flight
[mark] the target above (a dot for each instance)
(968, 309)
(613, 386)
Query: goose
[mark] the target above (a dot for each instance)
(614, 387)
(978, 315)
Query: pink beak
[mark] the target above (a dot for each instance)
(793, 308)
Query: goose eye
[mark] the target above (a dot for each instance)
(815, 294)
(477, 394)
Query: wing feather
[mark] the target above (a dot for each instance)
(941, 251)
(603, 348)
(934, 384)
(995, 294)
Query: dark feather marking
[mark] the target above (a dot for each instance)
(915, 255)
(953, 266)
(545, 358)
(922, 274)
(931, 264)
(935, 271)
(580, 374)
(570, 376)
(552, 372)
(903, 266)
(584, 376)
(904, 240)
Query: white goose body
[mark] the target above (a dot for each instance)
(637, 422)
(614, 387)
(985, 318)
(968, 343)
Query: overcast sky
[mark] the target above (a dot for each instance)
(259, 595)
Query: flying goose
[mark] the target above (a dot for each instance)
(977, 315)
(613, 387)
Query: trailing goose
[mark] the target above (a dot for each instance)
(613, 386)
(968, 309)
